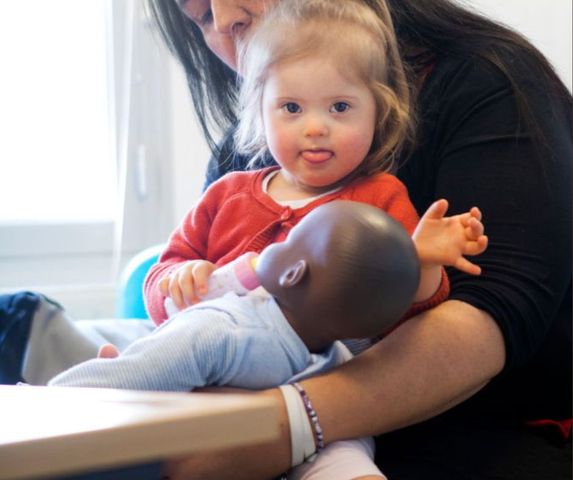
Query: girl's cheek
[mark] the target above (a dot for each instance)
(280, 143)
(285, 137)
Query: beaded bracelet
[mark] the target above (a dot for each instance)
(312, 415)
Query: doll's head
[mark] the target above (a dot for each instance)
(347, 270)
(359, 42)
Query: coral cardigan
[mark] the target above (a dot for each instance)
(235, 216)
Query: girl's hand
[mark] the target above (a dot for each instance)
(444, 240)
(188, 283)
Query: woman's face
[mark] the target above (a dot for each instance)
(224, 22)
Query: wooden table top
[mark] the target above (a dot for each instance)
(48, 431)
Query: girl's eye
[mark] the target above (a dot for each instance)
(339, 107)
(291, 107)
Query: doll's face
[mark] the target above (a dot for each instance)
(284, 265)
(346, 270)
(303, 273)
(225, 22)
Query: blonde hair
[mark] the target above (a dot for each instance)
(358, 37)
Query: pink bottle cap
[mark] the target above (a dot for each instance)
(245, 271)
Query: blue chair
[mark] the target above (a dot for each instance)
(130, 289)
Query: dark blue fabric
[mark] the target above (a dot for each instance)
(150, 471)
(16, 314)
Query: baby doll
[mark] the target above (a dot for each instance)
(347, 270)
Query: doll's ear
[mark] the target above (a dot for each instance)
(293, 274)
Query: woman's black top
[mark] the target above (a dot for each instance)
(473, 149)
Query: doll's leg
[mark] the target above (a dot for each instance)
(342, 460)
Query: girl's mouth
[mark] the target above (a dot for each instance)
(317, 156)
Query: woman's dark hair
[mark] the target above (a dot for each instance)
(212, 84)
(426, 29)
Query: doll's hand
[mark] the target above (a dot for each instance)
(188, 283)
(444, 240)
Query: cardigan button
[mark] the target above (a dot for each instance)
(287, 213)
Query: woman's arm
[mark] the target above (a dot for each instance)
(427, 365)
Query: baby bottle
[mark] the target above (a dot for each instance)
(238, 276)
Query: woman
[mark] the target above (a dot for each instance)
(465, 377)
(458, 391)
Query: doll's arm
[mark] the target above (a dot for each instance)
(445, 241)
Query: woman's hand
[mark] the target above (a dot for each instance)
(188, 283)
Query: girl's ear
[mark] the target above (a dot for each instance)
(293, 274)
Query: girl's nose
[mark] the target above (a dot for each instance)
(229, 18)
(315, 127)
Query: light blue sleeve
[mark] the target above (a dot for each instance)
(180, 355)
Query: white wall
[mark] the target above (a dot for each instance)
(546, 24)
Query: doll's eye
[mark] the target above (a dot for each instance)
(291, 107)
(339, 107)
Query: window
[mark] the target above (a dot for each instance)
(49, 121)
(84, 123)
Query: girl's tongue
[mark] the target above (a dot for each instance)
(317, 156)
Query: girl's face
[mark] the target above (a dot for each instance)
(319, 124)
(223, 22)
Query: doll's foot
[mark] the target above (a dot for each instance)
(108, 350)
